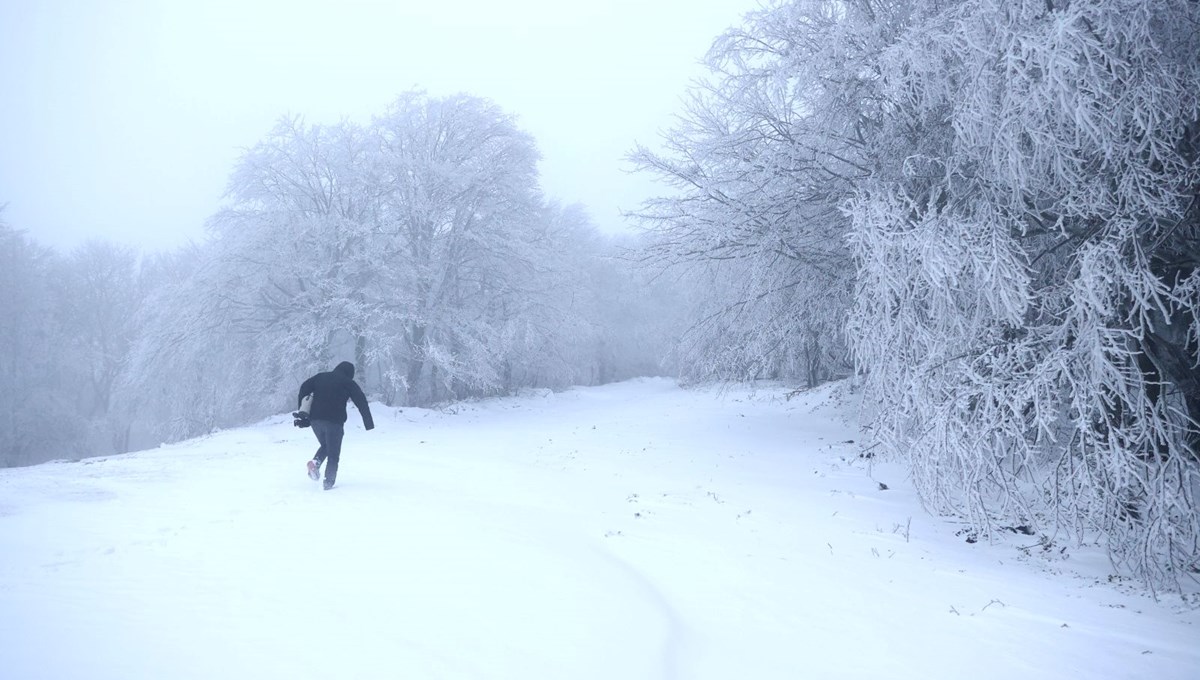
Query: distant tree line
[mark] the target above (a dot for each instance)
(993, 208)
(418, 246)
(66, 333)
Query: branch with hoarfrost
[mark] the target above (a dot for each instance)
(1050, 381)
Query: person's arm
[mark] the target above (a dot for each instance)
(306, 389)
(360, 401)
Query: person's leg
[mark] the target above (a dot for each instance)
(319, 430)
(333, 451)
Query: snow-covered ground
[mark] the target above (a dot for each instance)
(628, 531)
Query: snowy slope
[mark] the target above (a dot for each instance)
(629, 531)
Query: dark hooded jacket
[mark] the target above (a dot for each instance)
(330, 392)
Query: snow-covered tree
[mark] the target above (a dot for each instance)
(97, 296)
(760, 162)
(69, 325)
(183, 374)
(1017, 185)
(1027, 251)
(419, 246)
(38, 416)
(458, 225)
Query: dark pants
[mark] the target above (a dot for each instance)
(329, 436)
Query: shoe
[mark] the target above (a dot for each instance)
(328, 485)
(314, 470)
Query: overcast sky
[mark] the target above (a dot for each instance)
(122, 119)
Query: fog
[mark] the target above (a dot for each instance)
(123, 120)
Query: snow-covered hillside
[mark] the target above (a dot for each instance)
(629, 531)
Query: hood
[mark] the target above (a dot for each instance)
(345, 368)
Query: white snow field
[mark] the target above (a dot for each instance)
(630, 531)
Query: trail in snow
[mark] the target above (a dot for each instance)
(628, 531)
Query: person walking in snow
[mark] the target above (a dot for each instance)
(330, 391)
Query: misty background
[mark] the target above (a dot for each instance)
(125, 118)
(986, 212)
